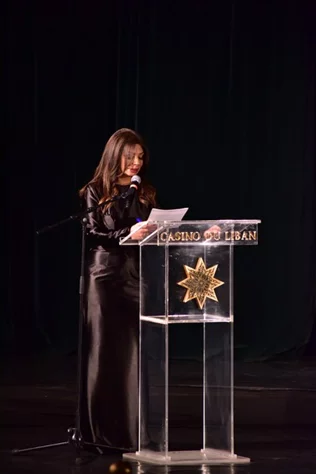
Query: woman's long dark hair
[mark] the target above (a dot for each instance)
(108, 171)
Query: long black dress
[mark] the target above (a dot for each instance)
(109, 409)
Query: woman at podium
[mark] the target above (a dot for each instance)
(109, 408)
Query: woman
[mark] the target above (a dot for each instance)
(109, 410)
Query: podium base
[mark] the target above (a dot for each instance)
(186, 458)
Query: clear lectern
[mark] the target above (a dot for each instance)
(186, 277)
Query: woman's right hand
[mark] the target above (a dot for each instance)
(141, 229)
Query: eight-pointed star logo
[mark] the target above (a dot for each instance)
(200, 283)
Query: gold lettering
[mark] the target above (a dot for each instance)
(180, 236)
(163, 236)
(177, 236)
(196, 236)
(187, 236)
(213, 235)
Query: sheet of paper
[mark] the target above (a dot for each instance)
(167, 214)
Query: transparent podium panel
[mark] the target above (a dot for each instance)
(186, 284)
(153, 396)
(186, 277)
(218, 436)
(161, 383)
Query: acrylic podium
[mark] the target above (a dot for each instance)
(187, 277)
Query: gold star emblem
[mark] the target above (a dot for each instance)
(200, 283)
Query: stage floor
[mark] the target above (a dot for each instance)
(275, 417)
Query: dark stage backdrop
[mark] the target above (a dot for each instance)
(224, 95)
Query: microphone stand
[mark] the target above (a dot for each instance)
(74, 433)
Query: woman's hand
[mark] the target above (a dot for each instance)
(142, 229)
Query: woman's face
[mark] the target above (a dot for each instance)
(132, 160)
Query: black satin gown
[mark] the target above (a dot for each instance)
(109, 408)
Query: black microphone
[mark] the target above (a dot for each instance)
(135, 182)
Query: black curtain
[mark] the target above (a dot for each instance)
(224, 95)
